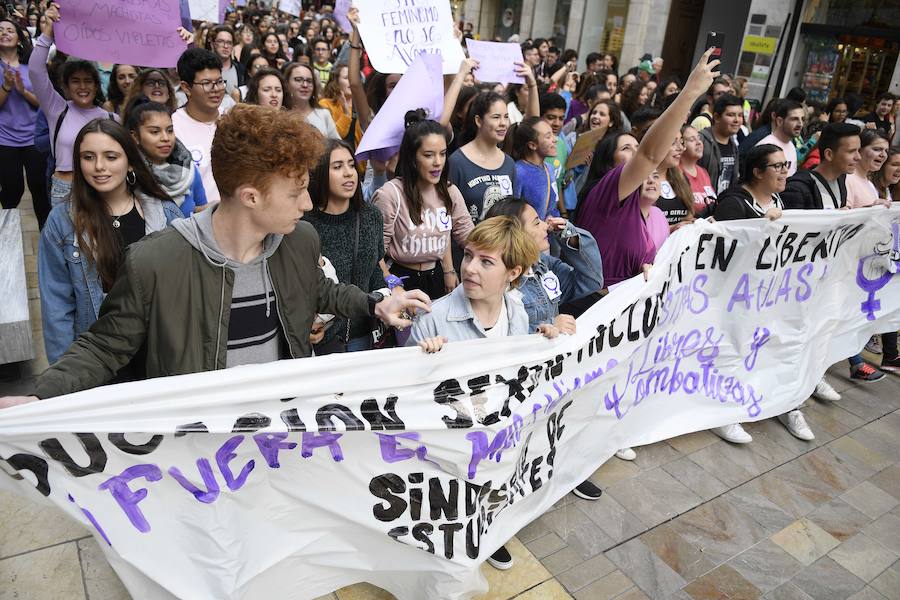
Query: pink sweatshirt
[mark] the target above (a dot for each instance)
(424, 244)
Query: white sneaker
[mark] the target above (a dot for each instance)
(733, 433)
(626, 454)
(796, 424)
(874, 345)
(824, 391)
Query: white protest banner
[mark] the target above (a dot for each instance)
(291, 7)
(204, 10)
(144, 34)
(394, 33)
(496, 61)
(292, 479)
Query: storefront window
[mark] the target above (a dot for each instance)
(508, 23)
(614, 32)
(853, 13)
(561, 23)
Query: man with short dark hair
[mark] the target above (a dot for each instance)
(719, 88)
(787, 125)
(594, 62)
(233, 72)
(237, 284)
(720, 150)
(642, 119)
(825, 186)
(880, 118)
(553, 110)
(321, 62)
(195, 125)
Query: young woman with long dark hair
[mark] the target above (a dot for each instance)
(156, 85)
(422, 210)
(150, 124)
(351, 234)
(482, 171)
(115, 201)
(268, 88)
(120, 82)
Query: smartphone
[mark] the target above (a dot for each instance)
(10, 9)
(716, 40)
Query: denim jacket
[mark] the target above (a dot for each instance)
(578, 272)
(453, 318)
(71, 292)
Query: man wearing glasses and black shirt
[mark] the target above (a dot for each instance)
(195, 123)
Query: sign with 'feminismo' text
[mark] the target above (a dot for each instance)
(395, 32)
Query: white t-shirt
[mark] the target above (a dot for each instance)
(831, 194)
(501, 327)
(790, 152)
(197, 137)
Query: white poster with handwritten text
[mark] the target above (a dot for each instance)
(394, 33)
(295, 478)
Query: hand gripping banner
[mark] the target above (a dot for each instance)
(408, 470)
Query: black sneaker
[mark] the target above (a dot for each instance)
(501, 559)
(866, 373)
(891, 364)
(588, 491)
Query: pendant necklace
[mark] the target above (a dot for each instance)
(116, 218)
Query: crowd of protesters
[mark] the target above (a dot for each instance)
(242, 160)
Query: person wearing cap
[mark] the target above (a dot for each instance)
(646, 71)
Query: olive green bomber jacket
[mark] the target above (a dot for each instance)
(170, 295)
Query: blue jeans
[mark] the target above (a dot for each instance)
(337, 346)
(59, 190)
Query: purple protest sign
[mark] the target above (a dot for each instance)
(422, 86)
(145, 35)
(340, 14)
(495, 61)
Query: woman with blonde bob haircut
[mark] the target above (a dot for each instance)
(497, 253)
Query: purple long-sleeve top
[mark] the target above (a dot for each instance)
(53, 105)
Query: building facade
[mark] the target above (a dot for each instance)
(829, 48)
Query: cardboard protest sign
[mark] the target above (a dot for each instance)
(394, 33)
(585, 143)
(408, 470)
(204, 10)
(136, 34)
(420, 87)
(291, 7)
(496, 61)
(340, 14)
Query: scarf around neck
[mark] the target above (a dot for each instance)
(176, 175)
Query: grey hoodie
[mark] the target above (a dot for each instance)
(254, 333)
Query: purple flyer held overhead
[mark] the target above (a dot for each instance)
(340, 14)
(496, 61)
(142, 35)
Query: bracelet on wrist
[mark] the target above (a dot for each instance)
(450, 272)
(393, 281)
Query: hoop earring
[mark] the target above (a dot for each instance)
(130, 178)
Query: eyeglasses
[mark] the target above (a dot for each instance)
(209, 86)
(155, 83)
(224, 42)
(304, 80)
(780, 166)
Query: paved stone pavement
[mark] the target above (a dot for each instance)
(692, 518)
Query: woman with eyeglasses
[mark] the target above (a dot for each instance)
(256, 63)
(763, 176)
(120, 82)
(156, 86)
(115, 201)
(81, 81)
(303, 85)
